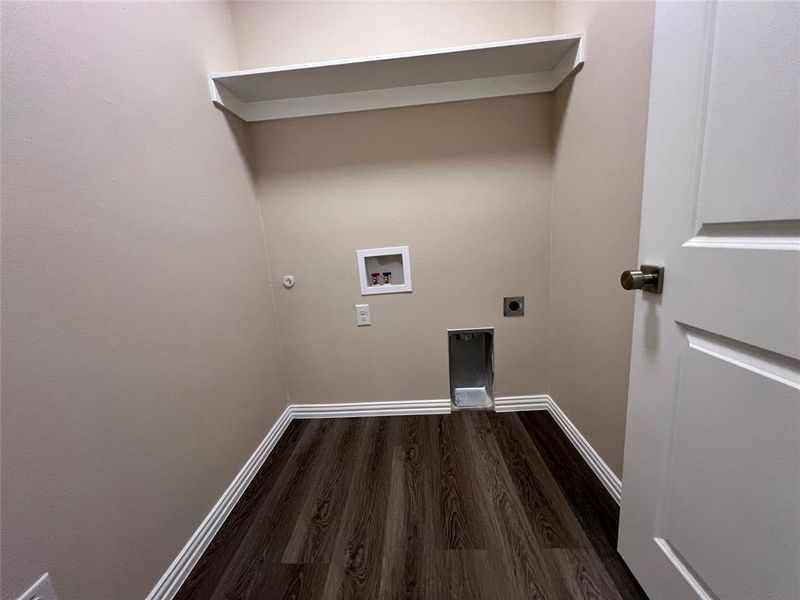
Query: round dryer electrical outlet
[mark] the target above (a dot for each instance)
(514, 306)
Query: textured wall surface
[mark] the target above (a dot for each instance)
(600, 126)
(596, 152)
(466, 186)
(140, 363)
(284, 33)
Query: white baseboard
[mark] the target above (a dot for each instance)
(369, 409)
(190, 554)
(520, 403)
(604, 473)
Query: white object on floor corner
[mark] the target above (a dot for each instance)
(190, 554)
(41, 590)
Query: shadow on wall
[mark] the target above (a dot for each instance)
(651, 324)
(561, 100)
(411, 135)
(238, 129)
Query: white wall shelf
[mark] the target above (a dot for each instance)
(507, 68)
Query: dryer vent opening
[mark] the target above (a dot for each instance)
(471, 368)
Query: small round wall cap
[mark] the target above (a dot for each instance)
(288, 281)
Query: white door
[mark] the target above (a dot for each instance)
(711, 481)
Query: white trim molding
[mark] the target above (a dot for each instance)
(370, 409)
(190, 554)
(604, 473)
(522, 403)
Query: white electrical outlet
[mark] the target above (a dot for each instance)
(41, 590)
(362, 315)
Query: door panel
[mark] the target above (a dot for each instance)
(711, 479)
(751, 168)
(727, 495)
(707, 280)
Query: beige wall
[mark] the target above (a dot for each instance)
(321, 178)
(140, 359)
(281, 33)
(140, 365)
(466, 186)
(600, 121)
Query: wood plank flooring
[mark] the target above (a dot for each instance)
(468, 505)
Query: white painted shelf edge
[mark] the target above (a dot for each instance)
(561, 61)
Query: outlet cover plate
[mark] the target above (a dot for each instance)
(514, 306)
(363, 316)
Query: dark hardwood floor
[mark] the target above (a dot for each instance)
(468, 505)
